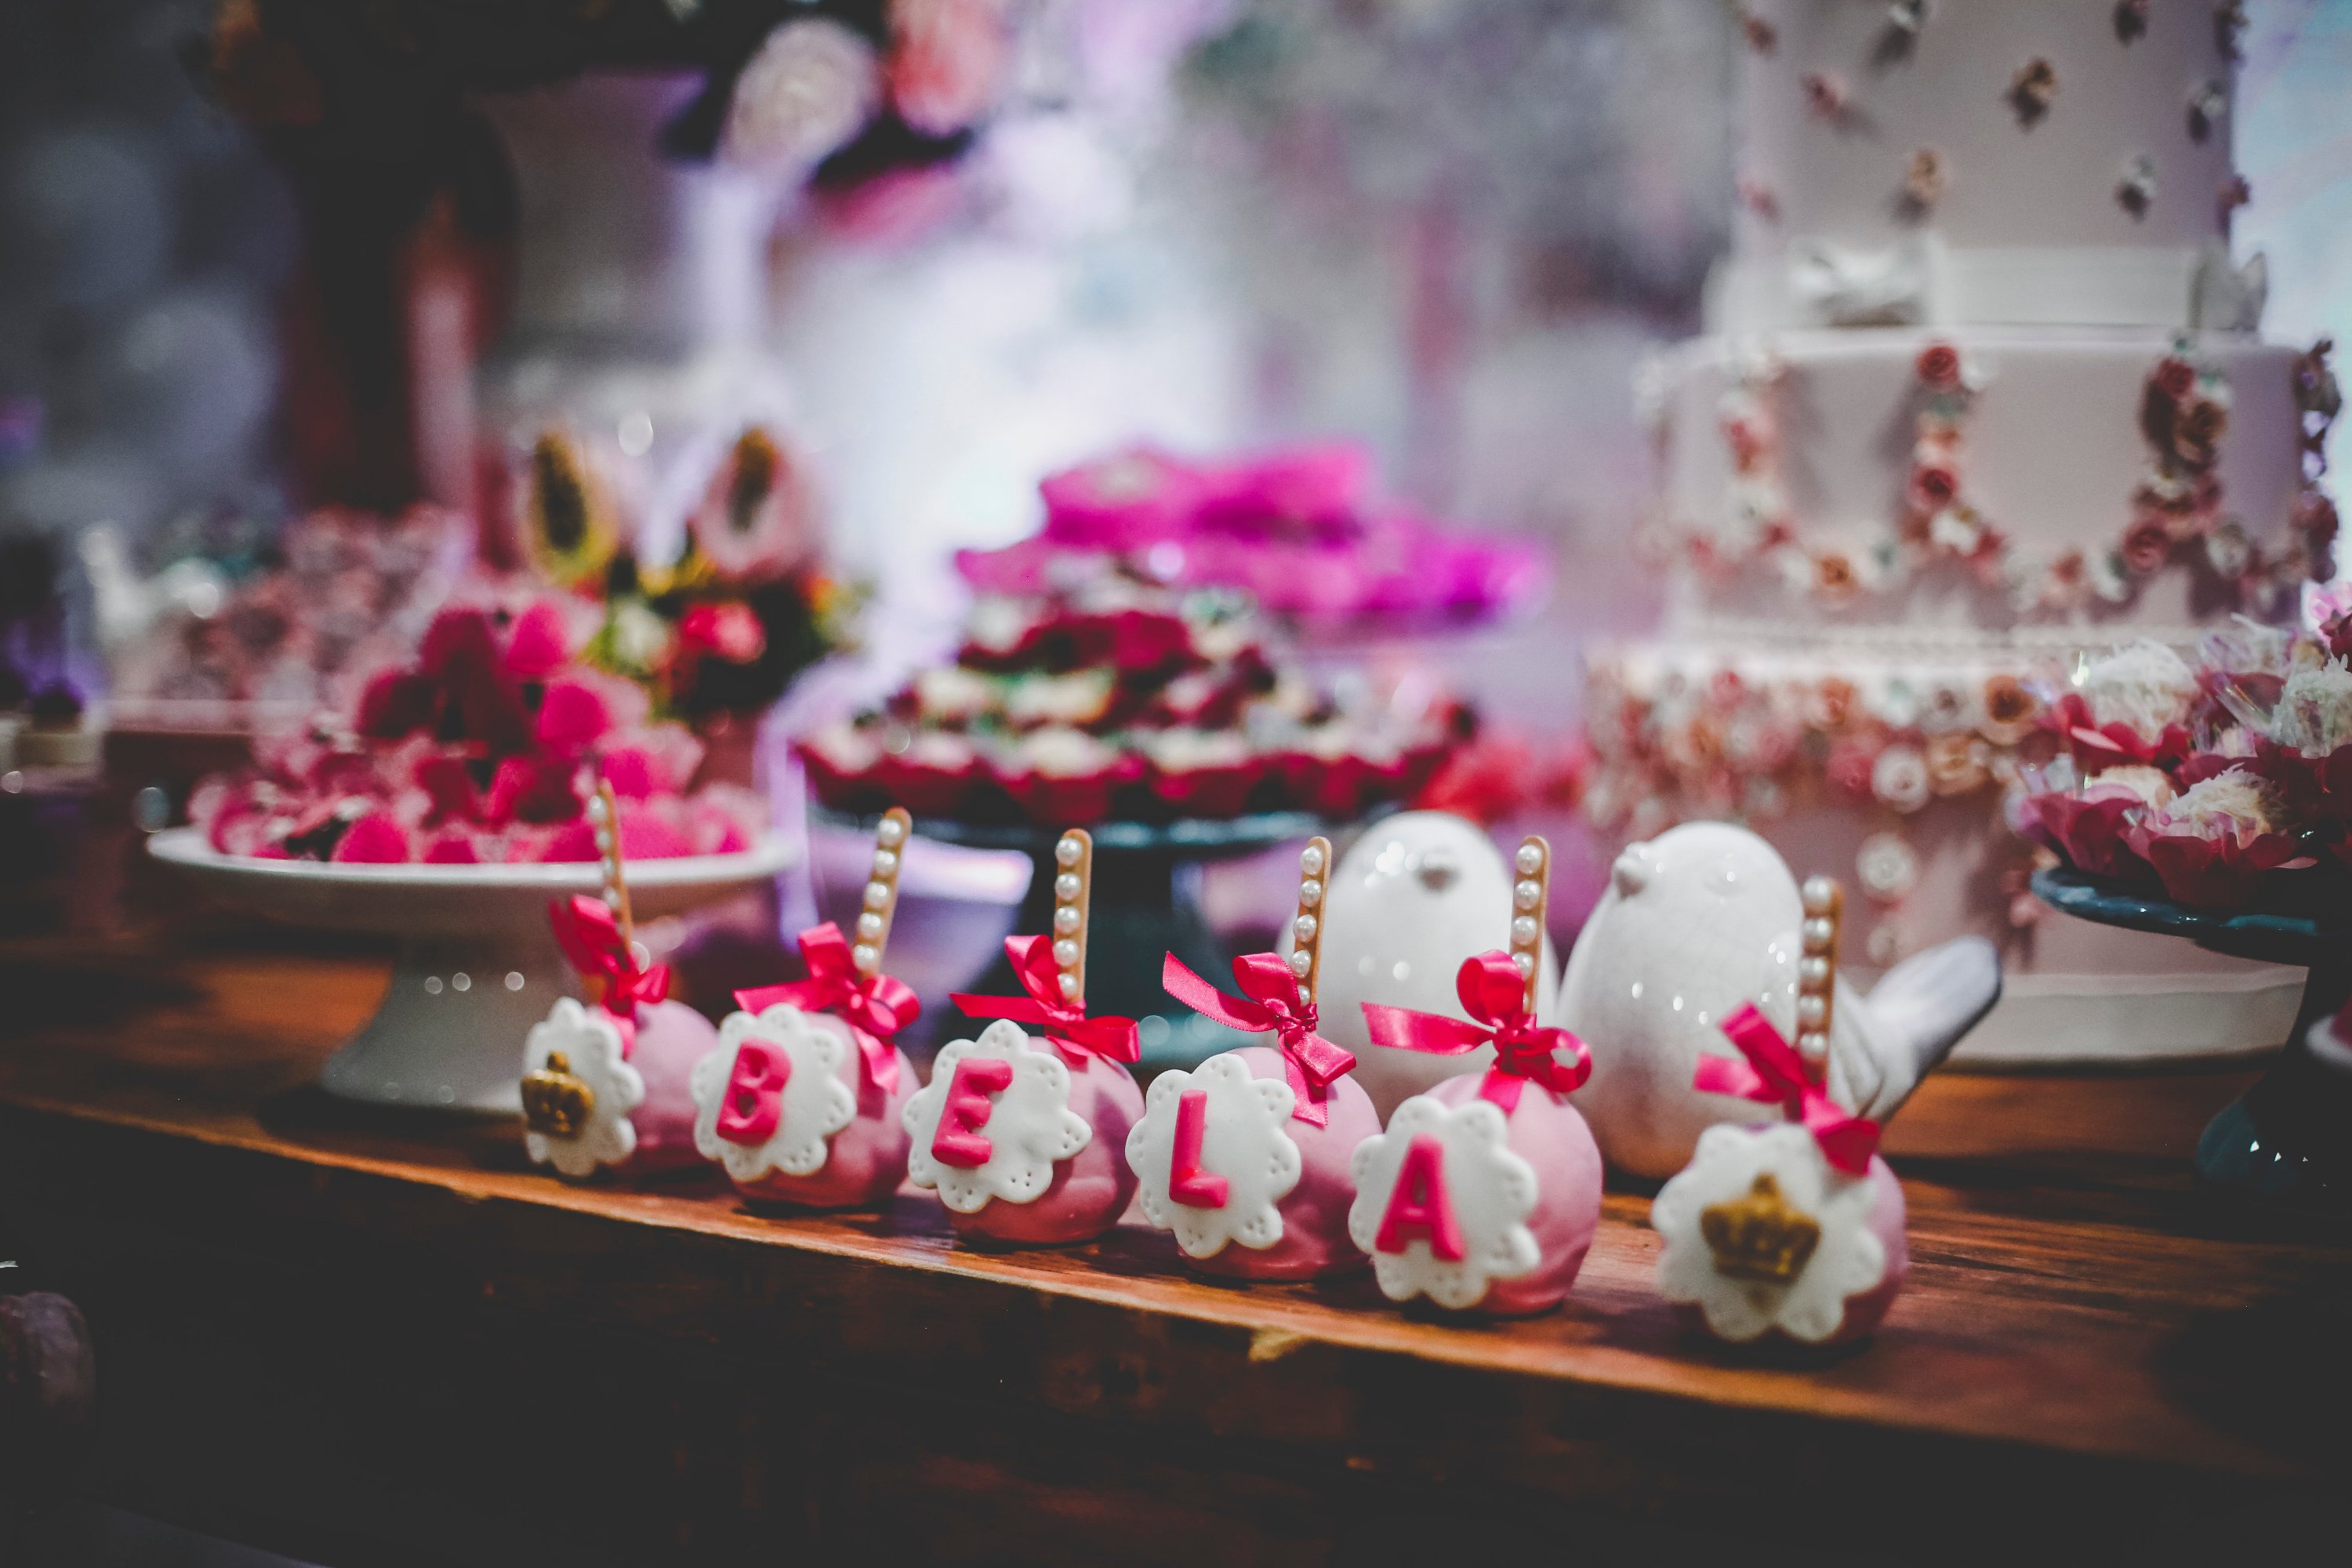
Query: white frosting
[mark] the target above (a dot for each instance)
(590, 1044)
(1849, 1259)
(1491, 1191)
(2026, 223)
(1030, 1123)
(1245, 1141)
(814, 1105)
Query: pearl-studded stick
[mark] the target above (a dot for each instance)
(1817, 974)
(604, 815)
(880, 900)
(1306, 925)
(1530, 895)
(1073, 877)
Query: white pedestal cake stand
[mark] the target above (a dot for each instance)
(476, 964)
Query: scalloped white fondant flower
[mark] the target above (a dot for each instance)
(1487, 1191)
(590, 1045)
(1244, 1143)
(812, 1105)
(1029, 1123)
(1848, 1261)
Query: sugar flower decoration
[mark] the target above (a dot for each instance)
(1489, 1191)
(2144, 687)
(1731, 1165)
(2314, 708)
(1028, 1127)
(812, 1104)
(1244, 1145)
(590, 1046)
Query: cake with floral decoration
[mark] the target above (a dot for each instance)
(1983, 394)
(1114, 696)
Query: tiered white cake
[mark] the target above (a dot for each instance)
(1983, 390)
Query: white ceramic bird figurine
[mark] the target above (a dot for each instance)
(1698, 921)
(1411, 899)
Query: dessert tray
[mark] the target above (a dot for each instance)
(475, 968)
(2286, 1137)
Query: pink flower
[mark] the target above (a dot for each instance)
(572, 716)
(948, 61)
(538, 643)
(644, 837)
(2085, 826)
(452, 847)
(375, 839)
(2148, 544)
(729, 630)
(534, 789)
(1934, 487)
(2218, 872)
(2173, 377)
(1938, 365)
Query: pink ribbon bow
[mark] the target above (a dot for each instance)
(1774, 1073)
(1067, 1026)
(876, 1006)
(1493, 993)
(1312, 1063)
(592, 941)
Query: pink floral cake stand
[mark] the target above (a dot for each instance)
(475, 967)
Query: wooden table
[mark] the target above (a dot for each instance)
(361, 1339)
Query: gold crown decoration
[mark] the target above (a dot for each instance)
(1760, 1235)
(557, 1102)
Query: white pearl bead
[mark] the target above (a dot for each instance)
(611, 898)
(1818, 933)
(1813, 971)
(864, 956)
(1066, 953)
(1523, 930)
(1813, 1047)
(1065, 921)
(1529, 860)
(1524, 962)
(877, 895)
(1301, 962)
(1070, 988)
(1303, 928)
(1306, 998)
(1812, 1012)
(893, 833)
(886, 863)
(1310, 892)
(1068, 851)
(1310, 861)
(1819, 894)
(870, 926)
(1065, 887)
(604, 841)
(596, 808)
(1528, 895)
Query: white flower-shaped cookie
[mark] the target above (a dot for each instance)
(1240, 1139)
(789, 1126)
(1849, 1259)
(1010, 1121)
(590, 1045)
(1442, 1180)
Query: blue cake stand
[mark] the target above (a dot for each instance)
(1146, 904)
(2290, 1136)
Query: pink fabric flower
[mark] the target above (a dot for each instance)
(1938, 365)
(538, 643)
(2223, 871)
(375, 839)
(452, 847)
(644, 837)
(2085, 828)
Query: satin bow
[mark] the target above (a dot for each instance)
(1066, 1025)
(875, 1006)
(592, 940)
(1774, 1073)
(1493, 993)
(1312, 1063)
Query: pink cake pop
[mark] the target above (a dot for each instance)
(801, 1101)
(1247, 1157)
(1793, 1229)
(607, 1084)
(1026, 1138)
(1482, 1195)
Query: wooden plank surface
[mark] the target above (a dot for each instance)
(359, 1335)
